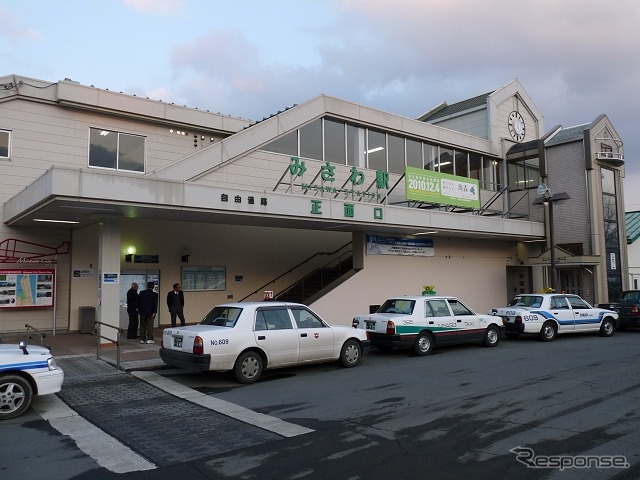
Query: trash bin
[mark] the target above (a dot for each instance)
(87, 319)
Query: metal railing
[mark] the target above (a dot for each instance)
(35, 330)
(117, 342)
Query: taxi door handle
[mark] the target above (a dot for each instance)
(430, 322)
(303, 334)
(458, 320)
(261, 337)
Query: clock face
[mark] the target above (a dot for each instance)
(516, 126)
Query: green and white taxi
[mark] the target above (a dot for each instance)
(424, 322)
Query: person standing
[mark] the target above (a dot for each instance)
(147, 307)
(132, 310)
(175, 302)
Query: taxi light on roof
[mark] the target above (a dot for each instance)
(198, 346)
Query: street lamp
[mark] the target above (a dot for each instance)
(547, 198)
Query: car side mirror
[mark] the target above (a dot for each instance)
(23, 346)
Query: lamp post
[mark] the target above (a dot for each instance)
(547, 198)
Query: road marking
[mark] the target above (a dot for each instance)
(103, 448)
(266, 422)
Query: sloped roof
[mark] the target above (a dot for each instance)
(568, 134)
(445, 110)
(632, 222)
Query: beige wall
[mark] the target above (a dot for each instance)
(473, 270)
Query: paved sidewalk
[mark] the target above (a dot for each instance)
(133, 354)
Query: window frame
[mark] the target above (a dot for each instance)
(8, 132)
(118, 152)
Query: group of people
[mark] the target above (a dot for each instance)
(143, 306)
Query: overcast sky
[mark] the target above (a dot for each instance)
(577, 59)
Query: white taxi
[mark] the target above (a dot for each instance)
(548, 314)
(426, 321)
(247, 337)
(25, 371)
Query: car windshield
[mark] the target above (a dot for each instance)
(397, 305)
(533, 301)
(222, 317)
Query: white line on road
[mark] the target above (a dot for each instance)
(229, 409)
(103, 448)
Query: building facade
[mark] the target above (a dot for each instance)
(329, 202)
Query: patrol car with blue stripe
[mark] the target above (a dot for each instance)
(26, 371)
(548, 314)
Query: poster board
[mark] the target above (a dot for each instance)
(203, 277)
(27, 288)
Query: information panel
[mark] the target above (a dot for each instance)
(203, 278)
(27, 288)
(435, 187)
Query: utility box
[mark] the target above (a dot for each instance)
(87, 317)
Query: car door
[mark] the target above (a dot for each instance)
(585, 317)
(562, 312)
(274, 333)
(466, 321)
(444, 325)
(315, 338)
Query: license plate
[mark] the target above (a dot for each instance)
(177, 342)
(371, 325)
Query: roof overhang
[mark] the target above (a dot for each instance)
(85, 196)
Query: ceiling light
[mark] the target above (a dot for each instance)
(104, 133)
(377, 149)
(426, 233)
(53, 221)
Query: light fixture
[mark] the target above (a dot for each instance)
(104, 133)
(426, 233)
(377, 149)
(440, 164)
(54, 221)
(130, 252)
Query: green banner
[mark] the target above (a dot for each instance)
(434, 187)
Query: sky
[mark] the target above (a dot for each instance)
(576, 59)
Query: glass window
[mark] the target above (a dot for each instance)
(445, 161)
(274, 318)
(396, 153)
(131, 156)
(430, 157)
(355, 146)
(118, 151)
(306, 319)
(311, 140)
(460, 165)
(287, 144)
(532, 172)
(578, 304)
(397, 305)
(559, 303)
(414, 154)
(4, 144)
(458, 308)
(609, 208)
(376, 150)
(334, 142)
(475, 168)
(439, 308)
(222, 317)
(608, 181)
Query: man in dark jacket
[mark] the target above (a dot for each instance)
(147, 307)
(132, 310)
(175, 302)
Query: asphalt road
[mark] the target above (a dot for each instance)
(457, 413)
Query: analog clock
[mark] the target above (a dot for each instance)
(516, 126)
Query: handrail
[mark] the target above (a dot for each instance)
(337, 261)
(31, 327)
(118, 332)
(317, 254)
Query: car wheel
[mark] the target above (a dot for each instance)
(351, 353)
(548, 332)
(607, 328)
(248, 367)
(491, 337)
(512, 335)
(15, 396)
(424, 344)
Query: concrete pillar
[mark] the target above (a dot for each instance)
(109, 238)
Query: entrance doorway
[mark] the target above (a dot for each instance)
(519, 280)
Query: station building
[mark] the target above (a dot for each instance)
(329, 203)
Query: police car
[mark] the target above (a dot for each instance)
(422, 322)
(548, 314)
(25, 371)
